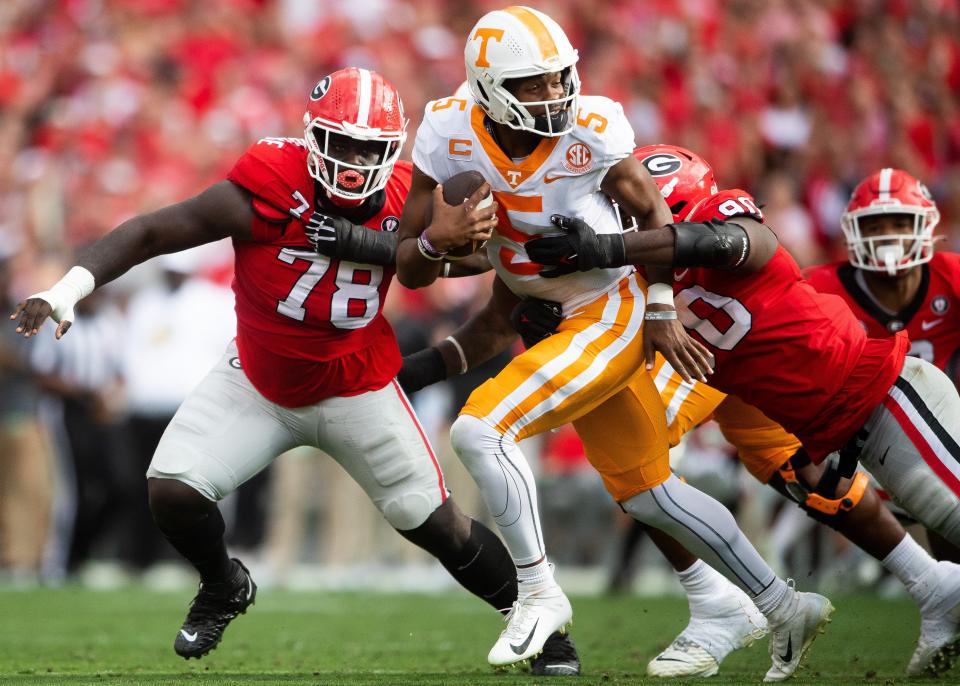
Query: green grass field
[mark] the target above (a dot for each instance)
(74, 636)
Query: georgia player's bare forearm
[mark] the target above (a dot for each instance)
(633, 188)
(486, 334)
(221, 211)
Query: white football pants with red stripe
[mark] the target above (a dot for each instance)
(912, 447)
(226, 432)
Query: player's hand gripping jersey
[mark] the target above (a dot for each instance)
(799, 355)
(308, 327)
(561, 176)
(931, 320)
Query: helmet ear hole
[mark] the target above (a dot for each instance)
(677, 207)
(483, 91)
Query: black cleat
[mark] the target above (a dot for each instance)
(559, 657)
(214, 606)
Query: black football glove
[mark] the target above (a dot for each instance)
(421, 369)
(535, 319)
(580, 247)
(342, 239)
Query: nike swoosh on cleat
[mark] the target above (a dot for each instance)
(668, 659)
(523, 646)
(786, 657)
(249, 588)
(190, 637)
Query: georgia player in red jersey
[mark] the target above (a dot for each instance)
(803, 359)
(893, 281)
(312, 224)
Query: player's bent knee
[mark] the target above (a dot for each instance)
(473, 438)
(408, 511)
(445, 531)
(829, 500)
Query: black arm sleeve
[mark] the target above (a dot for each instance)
(368, 246)
(421, 369)
(717, 244)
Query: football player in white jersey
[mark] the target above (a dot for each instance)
(547, 151)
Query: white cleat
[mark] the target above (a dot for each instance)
(733, 623)
(683, 658)
(939, 644)
(529, 624)
(791, 638)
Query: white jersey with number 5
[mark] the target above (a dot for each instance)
(561, 176)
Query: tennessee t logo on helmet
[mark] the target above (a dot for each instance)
(516, 43)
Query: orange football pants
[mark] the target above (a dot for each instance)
(590, 373)
(762, 444)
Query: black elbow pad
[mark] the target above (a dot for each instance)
(713, 243)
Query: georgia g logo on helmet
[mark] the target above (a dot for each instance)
(320, 89)
(662, 164)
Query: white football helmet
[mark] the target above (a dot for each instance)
(514, 43)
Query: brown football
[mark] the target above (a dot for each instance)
(456, 189)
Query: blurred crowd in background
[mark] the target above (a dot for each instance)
(110, 108)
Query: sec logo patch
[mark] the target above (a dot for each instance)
(390, 224)
(578, 158)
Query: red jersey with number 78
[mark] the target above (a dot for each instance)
(308, 327)
(799, 356)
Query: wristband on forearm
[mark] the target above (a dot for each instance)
(462, 355)
(660, 294)
(427, 250)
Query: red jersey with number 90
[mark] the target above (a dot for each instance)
(799, 356)
(308, 327)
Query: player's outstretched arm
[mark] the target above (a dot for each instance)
(486, 334)
(630, 184)
(421, 250)
(221, 211)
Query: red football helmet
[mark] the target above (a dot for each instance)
(683, 177)
(362, 105)
(890, 191)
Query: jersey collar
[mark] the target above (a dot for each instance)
(514, 173)
(847, 274)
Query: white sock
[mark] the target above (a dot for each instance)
(535, 577)
(774, 601)
(912, 565)
(702, 584)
